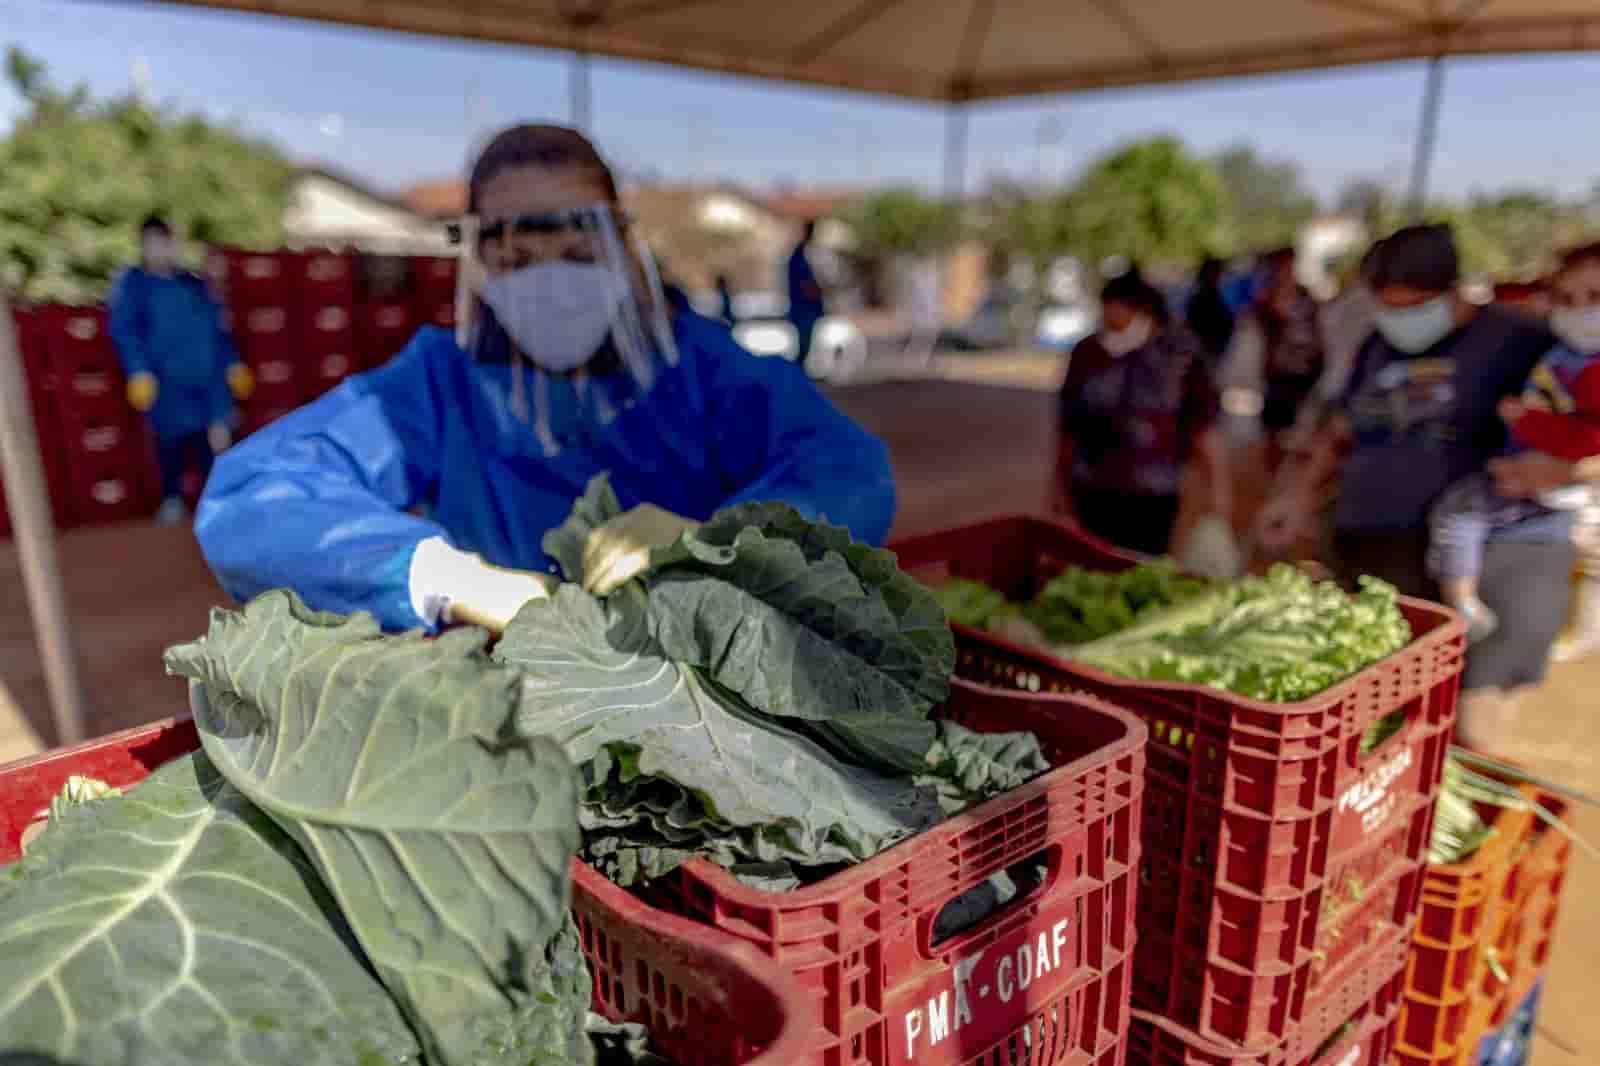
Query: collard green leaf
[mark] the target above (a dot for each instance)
(444, 838)
(803, 622)
(672, 746)
(177, 924)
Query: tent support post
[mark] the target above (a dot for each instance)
(1427, 137)
(578, 91)
(955, 151)
(29, 503)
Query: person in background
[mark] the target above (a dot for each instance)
(1138, 402)
(725, 301)
(1346, 321)
(1418, 414)
(1207, 313)
(1531, 298)
(805, 291)
(182, 367)
(573, 363)
(1277, 350)
(1575, 320)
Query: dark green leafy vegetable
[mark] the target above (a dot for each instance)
(760, 697)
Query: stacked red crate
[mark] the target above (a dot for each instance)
(260, 315)
(33, 344)
(109, 465)
(385, 318)
(434, 279)
(324, 296)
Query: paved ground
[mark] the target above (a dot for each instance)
(961, 451)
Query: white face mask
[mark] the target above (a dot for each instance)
(558, 313)
(1578, 328)
(1120, 342)
(160, 252)
(1416, 329)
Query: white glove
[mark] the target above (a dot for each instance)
(219, 436)
(1211, 549)
(620, 550)
(450, 585)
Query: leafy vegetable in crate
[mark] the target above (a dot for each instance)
(1281, 637)
(365, 865)
(761, 697)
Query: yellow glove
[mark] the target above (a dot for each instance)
(142, 391)
(619, 551)
(241, 382)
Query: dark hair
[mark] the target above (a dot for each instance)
(1420, 257)
(154, 223)
(537, 145)
(1583, 253)
(1278, 256)
(808, 229)
(1133, 291)
(1210, 268)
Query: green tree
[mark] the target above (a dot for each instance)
(1268, 201)
(1515, 234)
(1152, 201)
(79, 176)
(902, 221)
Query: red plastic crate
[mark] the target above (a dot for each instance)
(114, 487)
(33, 341)
(438, 312)
(861, 941)
(1338, 1033)
(434, 276)
(320, 278)
(87, 375)
(382, 329)
(257, 279)
(1496, 911)
(1279, 858)
(707, 998)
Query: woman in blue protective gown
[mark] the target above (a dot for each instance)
(411, 490)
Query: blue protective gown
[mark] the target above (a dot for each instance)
(332, 500)
(171, 327)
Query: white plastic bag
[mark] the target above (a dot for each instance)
(1211, 549)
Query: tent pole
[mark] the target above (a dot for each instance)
(578, 91)
(29, 504)
(955, 151)
(1427, 136)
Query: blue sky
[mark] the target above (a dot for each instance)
(394, 109)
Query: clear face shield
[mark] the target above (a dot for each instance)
(573, 306)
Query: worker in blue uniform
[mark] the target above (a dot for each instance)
(421, 491)
(182, 368)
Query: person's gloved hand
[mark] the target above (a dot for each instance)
(619, 551)
(450, 585)
(142, 391)
(219, 436)
(241, 382)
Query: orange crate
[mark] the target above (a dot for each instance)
(707, 998)
(1495, 911)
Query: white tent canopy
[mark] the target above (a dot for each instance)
(965, 50)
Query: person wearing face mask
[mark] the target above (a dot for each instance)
(422, 491)
(182, 368)
(1137, 403)
(1276, 351)
(1418, 414)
